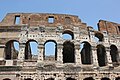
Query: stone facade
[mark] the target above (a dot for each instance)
(88, 55)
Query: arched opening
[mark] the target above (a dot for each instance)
(70, 78)
(99, 36)
(118, 78)
(86, 53)
(101, 54)
(68, 52)
(105, 78)
(28, 79)
(49, 79)
(68, 35)
(114, 54)
(31, 49)
(50, 51)
(6, 79)
(11, 49)
(89, 78)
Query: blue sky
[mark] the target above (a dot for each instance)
(89, 11)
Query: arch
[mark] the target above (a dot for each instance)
(89, 78)
(99, 36)
(50, 79)
(11, 52)
(70, 78)
(31, 46)
(117, 78)
(68, 32)
(28, 79)
(114, 54)
(68, 52)
(105, 78)
(49, 52)
(86, 53)
(101, 54)
(6, 79)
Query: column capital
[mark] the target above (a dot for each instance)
(77, 46)
(60, 45)
(93, 48)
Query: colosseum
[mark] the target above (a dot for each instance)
(88, 55)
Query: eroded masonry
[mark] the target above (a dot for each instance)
(87, 55)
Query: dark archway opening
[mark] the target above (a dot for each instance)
(31, 49)
(86, 53)
(99, 36)
(101, 54)
(105, 78)
(11, 49)
(28, 79)
(114, 54)
(68, 35)
(70, 79)
(50, 51)
(49, 79)
(7, 79)
(118, 78)
(89, 78)
(68, 52)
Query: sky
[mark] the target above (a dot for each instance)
(89, 11)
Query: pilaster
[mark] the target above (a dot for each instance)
(94, 56)
(2, 49)
(21, 55)
(77, 54)
(40, 52)
(109, 60)
(59, 53)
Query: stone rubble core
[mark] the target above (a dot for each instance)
(88, 55)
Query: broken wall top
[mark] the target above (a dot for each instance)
(110, 28)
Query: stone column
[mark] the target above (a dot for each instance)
(2, 53)
(21, 55)
(59, 53)
(94, 56)
(40, 52)
(108, 60)
(77, 55)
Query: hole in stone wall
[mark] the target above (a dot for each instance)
(70, 78)
(7, 79)
(114, 54)
(68, 52)
(28, 79)
(105, 78)
(99, 36)
(101, 54)
(89, 78)
(50, 51)
(17, 19)
(86, 53)
(11, 49)
(68, 35)
(118, 78)
(119, 28)
(49, 79)
(31, 49)
(50, 19)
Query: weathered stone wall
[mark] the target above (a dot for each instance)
(88, 55)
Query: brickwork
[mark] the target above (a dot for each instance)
(88, 55)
